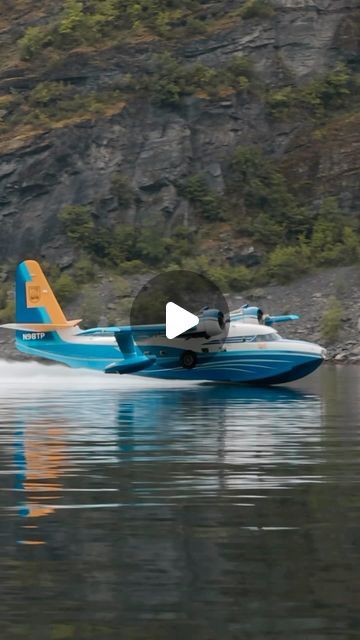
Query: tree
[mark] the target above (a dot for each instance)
(78, 223)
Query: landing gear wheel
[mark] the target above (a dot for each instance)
(188, 359)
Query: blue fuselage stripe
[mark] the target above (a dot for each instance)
(245, 365)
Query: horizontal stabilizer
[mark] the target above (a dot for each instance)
(130, 365)
(37, 326)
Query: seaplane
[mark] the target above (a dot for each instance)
(242, 346)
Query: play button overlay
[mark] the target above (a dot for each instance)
(191, 309)
(178, 320)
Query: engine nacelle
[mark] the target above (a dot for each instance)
(212, 322)
(254, 313)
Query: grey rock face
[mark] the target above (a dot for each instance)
(157, 147)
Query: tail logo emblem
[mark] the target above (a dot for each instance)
(34, 294)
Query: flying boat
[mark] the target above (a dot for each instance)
(242, 346)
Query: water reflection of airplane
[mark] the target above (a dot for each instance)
(200, 420)
(39, 458)
(208, 423)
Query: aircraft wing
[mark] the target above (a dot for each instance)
(142, 330)
(255, 314)
(210, 324)
(269, 320)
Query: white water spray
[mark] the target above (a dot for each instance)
(24, 377)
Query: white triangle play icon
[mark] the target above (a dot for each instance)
(178, 320)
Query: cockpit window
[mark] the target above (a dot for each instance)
(268, 337)
(265, 337)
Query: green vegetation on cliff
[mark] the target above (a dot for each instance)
(89, 22)
(166, 82)
(85, 23)
(254, 170)
(257, 202)
(316, 98)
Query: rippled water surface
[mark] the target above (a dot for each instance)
(145, 510)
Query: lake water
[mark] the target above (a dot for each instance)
(132, 509)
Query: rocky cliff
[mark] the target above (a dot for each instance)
(47, 163)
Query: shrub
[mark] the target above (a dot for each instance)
(287, 263)
(46, 93)
(123, 240)
(240, 66)
(332, 240)
(194, 26)
(223, 275)
(331, 321)
(180, 244)
(131, 267)
(257, 9)
(91, 307)
(33, 41)
(78, 223)
(84, 269)
(329, 210)
(7, 305)
(125, 243)
(65, 288)
(7, 313)
(120, 287)
(260, 191)
(266, 230)
(239, 278)
(199, 77)
(308, 99)
(336, 87)
(73, 16)
(161, 23)
(351, 243)
(122, 190)
(51, 269)
(340, 285)
(3, 296)
(152, 247)
(325, 242)
(317, 97)
(205, 201)
(166, 80)
(280, 101)
(238, 73)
